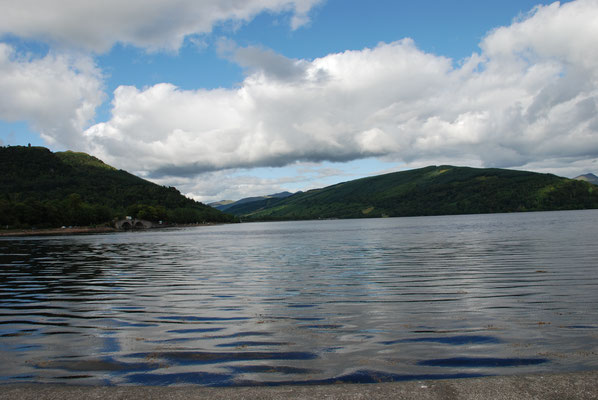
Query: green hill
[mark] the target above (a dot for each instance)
(44, 189)
(435, 190)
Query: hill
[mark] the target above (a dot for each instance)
(220, 203)
(591, 178)
(225, 205)
(434, 190)
(44, 189)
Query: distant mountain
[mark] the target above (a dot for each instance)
(217, 204)
(44, 189)
(224, 205)
(434, 190)
(593, 179)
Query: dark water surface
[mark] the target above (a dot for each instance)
(304, 302)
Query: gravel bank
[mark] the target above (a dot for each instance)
(580, 385)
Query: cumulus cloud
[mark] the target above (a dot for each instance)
(531, 94)
(151, 24)
(56, 94)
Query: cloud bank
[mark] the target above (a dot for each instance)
(152, 24)
(56, 94)
(530, 95)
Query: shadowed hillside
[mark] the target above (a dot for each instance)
(44, 189)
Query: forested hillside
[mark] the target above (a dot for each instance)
(435, 190)
(44, 189)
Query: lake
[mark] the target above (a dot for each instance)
(370, 300)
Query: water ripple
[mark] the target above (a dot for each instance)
(475, 362)
(312, 302)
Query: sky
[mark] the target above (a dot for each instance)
(237, 98)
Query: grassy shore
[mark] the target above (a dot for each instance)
(579, 385)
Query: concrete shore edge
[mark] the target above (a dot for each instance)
(577, 385)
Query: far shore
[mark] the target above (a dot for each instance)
(82, 230)
(57, 231)
(577, 385)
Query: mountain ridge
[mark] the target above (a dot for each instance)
(433, 190)
(589, 177)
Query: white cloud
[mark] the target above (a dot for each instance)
(566, 32)
(530, 95)
(56, 94)
(328, 114)
(152, 24)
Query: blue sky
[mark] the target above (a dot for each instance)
(254, 97)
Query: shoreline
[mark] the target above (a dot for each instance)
(574, 385)
(8, 233)
(56, 231)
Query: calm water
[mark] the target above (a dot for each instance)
(304, 302)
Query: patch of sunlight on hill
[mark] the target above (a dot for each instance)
(82, 159)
